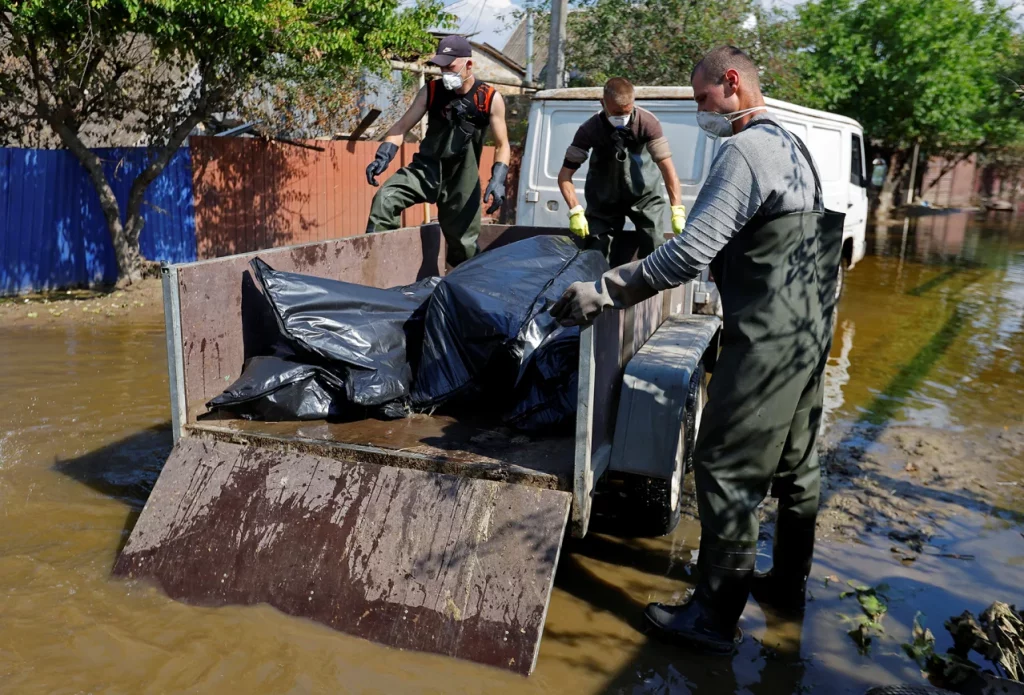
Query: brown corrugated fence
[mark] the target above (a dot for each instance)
(253, 194)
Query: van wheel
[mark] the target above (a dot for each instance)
(652, 506)
(840, 280)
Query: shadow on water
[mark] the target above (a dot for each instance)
(769, 664)
(773, 663)
(125, 470)
(893, 396)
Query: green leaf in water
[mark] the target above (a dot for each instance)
(861, 636)
(873, 606)
(921, 648)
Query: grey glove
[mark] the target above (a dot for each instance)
(496, 187)
(385, 153)
(617, 289)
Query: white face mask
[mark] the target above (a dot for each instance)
(452, 80)
(719, 125)
(619, 121)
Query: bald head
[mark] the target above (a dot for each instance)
(714, 65)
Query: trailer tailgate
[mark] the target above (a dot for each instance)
(408, 558)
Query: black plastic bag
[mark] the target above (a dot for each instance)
(272, 388)
(485, 320)
(362, 330)
(545, 395)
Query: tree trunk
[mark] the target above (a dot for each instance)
(125, 235)
(134, 221)
(893, 177)
(126, 247)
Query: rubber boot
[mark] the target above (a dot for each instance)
(784, 586)
(709, 621)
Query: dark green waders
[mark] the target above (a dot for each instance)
(623, 184)
(454, 185)
(445, 171)
(759, 429)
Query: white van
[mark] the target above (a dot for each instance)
(836, 143)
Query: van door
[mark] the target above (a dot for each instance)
(826, 146)
(692, 149)
(553, 125)
(857, 207)
(831, 155)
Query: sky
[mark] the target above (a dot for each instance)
(490, 20)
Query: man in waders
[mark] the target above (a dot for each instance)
(459, 108)
(760, 223)
(629, 148)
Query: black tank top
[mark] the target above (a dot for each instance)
(474, 106)
(456, 121)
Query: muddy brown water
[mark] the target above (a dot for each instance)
(930, 338)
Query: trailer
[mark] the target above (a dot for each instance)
(432, 533)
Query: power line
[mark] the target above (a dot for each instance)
(480, 14)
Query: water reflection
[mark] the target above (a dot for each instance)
(938, 316)
(837, 371)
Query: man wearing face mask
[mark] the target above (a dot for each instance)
(759, 222)
(459, 108)
(629, 148)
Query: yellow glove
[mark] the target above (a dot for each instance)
(578, 222)
(678, 218)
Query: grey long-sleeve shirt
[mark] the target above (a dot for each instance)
(759, 171)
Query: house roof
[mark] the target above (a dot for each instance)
(515, 47)
(499, 56)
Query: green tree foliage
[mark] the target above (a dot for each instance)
(938, 74)
(932, 73)
(156, 68)
(657, 42)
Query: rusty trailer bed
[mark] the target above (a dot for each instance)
(432, 533)
(436, 443)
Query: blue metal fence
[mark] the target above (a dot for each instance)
(52, 230)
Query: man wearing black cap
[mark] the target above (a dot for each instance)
(446, 169)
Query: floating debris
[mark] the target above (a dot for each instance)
(861, 636)
(1004, 628)
(998, 636)
(915, 540)
(874, 604)
(905, 557)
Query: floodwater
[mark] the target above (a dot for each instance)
(930, 335)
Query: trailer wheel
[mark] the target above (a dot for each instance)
(652, 506)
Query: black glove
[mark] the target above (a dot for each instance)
(617, 289)
(496, 187)
(385, 153)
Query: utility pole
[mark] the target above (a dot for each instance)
(529, 46)
(423, 121)
(556, 45)
(913, 174)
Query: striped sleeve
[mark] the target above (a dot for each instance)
(726, 202)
